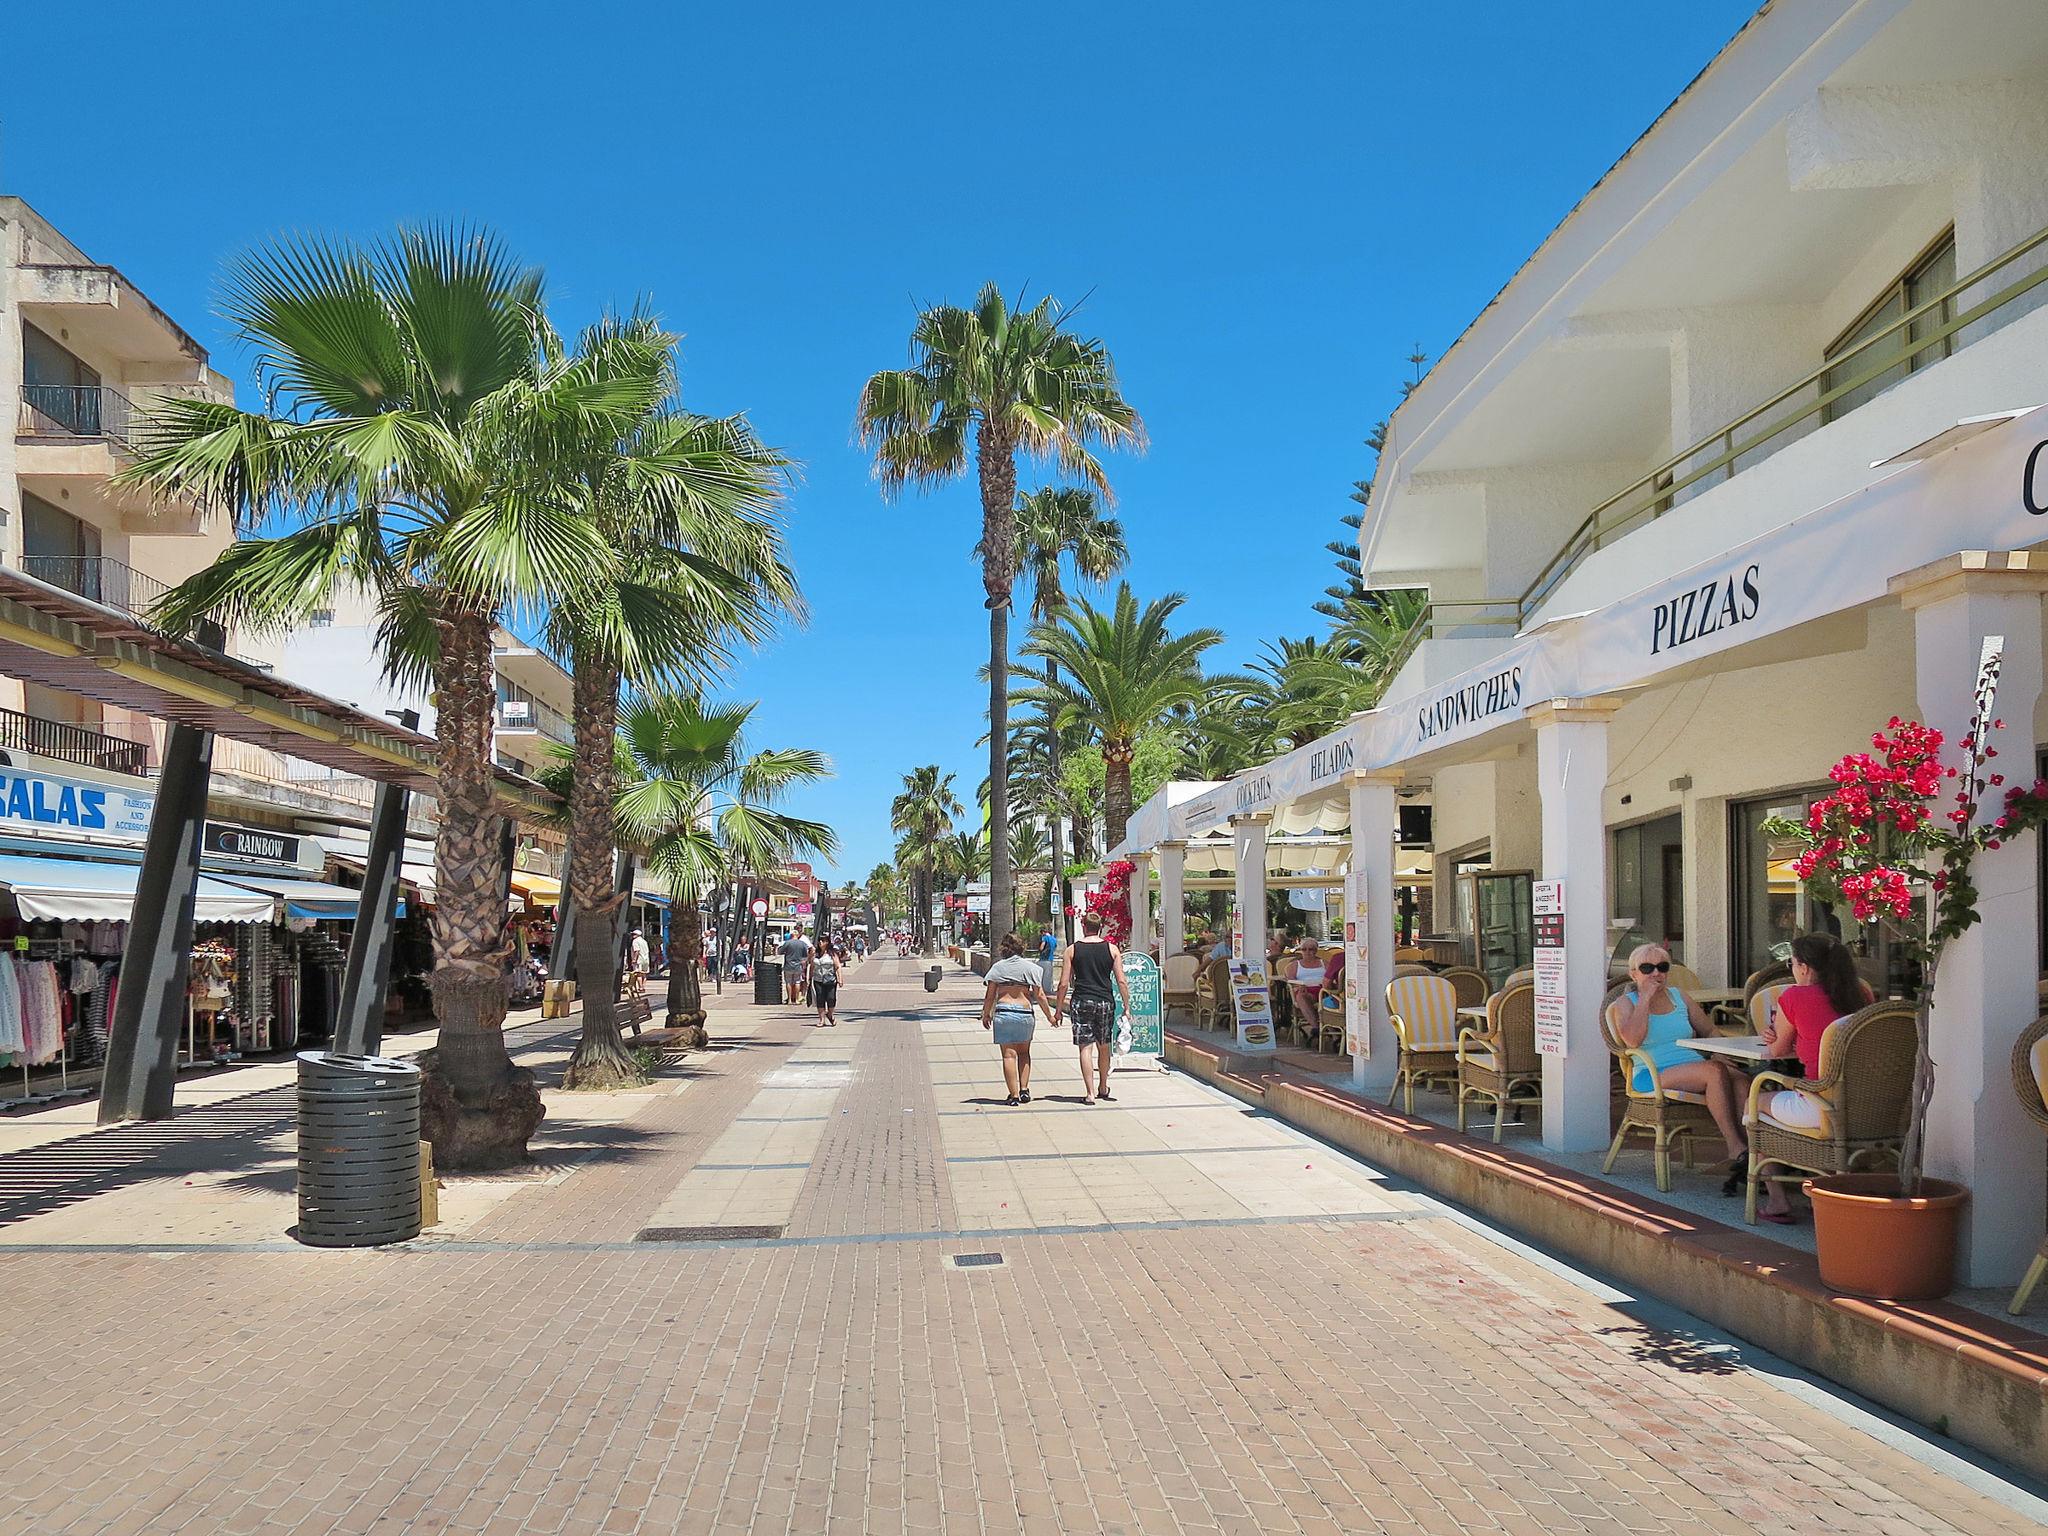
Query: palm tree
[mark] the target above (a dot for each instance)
(1017, 381)
(399, 380)
(1057, 525)
(1125, 671)
(706, 808)
(967, 856)
(689, 501)
(885, 892)
(923, 815)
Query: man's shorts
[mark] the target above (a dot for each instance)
(1094, 1022)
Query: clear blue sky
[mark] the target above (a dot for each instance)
(1268, 206)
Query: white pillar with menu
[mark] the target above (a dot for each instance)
(1986, 992)
(1248, 949)
(1172, 921)
(1571, 775)
(1141, 902)
(1374, 820)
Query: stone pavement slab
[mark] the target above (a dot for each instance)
(1197, 1320)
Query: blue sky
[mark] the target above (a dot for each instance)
(1267, 208)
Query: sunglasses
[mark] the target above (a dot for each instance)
(1654, 965)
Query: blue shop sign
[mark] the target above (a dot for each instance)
(82, 805)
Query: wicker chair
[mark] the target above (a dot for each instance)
(1177, 982)
(1330, 1025)
(1866, 1079)
(1215, 1004)
(1668, 1116)
(1408, 954)
(1499, 1063)
(1472, 985)
(1405, 969)
(2029, 1076)
(1740, 1018)
(1424, 1013)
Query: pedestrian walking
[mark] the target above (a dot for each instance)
(824, 983)
(1007, 1005)
(1090, 980)
(638, 957)
(796, 953)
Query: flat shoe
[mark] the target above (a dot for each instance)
(1025, 1096)
(1012, 1101)
(1106, 1097)
(1780, 1218)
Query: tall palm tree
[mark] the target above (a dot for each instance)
(706, 808)
(1125, 671)
(967, 856)
(1057, 526)
(923, 816)
(1015, 380)
(885, 892)
(689, 501)
(399, 379)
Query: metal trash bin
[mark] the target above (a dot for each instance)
(767, 982)
(359, 1150)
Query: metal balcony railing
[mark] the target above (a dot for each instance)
(77, 410)
(71, 743)
(532, 715)
(1451, 619)
(100, 579)
(1944, 323)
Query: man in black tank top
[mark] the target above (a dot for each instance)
(1093, 974)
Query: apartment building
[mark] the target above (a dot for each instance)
(1748, 456)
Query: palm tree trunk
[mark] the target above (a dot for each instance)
(685, 950)
(601, 1059)
(475, 1106)
(1116, 789)
(1053, 764)
(998, 466)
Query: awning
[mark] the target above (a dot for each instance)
(78, 890)
(304, 898)
(539, 890)
(652, 898)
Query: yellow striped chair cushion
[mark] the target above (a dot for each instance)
(1428, 1005)
(1763, 1004)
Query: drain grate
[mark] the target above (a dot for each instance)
(975, 1260)
(705, 1234)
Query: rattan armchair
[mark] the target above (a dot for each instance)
(1472, 985)
(1177, 982)
(1424, 1013)
(2029, 1075)
(1499, 1063)
(1740, 1018)
(1215, 1004)
(1865, 1083)
(1670, 1117)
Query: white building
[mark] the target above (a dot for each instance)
(1746, 458)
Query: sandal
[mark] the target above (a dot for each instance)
(1087, 1100)
(1106, 1096)
(1780, 1218)
(1012, 1101)
(1025, 1096)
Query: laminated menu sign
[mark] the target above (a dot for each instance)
(1547, 902)
(1357, 1033)
(1254, 1005)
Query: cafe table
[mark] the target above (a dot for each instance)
(1739, 1047)
(1471, 1018)
(1708, 996)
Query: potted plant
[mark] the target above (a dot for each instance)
(1881, 844)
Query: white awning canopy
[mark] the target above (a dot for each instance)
(79, 890)
(303, 898)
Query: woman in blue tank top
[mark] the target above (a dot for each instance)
(1656, 1018)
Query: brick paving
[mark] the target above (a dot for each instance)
(1202, 1322)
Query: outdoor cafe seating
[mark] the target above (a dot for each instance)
(1214, 1006)
(2030, 1082)
(1177, 982)
(1498, 1063)
(1670, 1117)
(1866, 1076)
(1423, 1010)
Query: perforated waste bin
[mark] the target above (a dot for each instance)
(767, 982)
(359, 1150)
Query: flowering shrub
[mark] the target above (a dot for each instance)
(1902, 827)
(1113, 901)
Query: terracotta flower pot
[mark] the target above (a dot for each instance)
(1873, 1242)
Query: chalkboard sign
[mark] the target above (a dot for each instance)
(1142, 1031)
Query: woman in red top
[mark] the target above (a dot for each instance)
(1825, 987)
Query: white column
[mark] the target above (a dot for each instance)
(1172, 906)
(1248, 834)
(1571, 775)
(1985, 993)
(1374, 819)
(1141, 901)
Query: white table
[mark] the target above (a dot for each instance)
(1708, 996)
(1740, 1047)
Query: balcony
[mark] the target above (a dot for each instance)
(71, 743)
(530, 717)
(77, 410)
(1892, 389)
(106, 312)
(99, 579)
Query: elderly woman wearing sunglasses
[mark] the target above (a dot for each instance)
(1656, 1018)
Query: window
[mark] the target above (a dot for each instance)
(59, 388)
(1648, 887)
(1934, 272)
(320, 618)
(1772, 908)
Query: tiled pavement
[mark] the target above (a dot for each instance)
(1201, 1322)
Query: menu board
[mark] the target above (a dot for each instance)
(1547, 903)
(1357, 1000)
(1254, 1004)
(1142, 1030)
